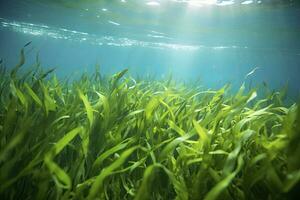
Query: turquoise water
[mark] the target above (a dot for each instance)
(76, 134)
(215, 42)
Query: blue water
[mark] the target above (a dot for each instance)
(215, 42)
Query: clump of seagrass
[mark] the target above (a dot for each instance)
(118, 138)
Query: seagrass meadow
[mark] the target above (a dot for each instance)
(100, 137)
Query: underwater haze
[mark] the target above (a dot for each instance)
(149, 99)
(216, 42)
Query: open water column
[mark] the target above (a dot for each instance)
(150, 99)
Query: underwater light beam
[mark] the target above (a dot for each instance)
(72, 35)
(247, 2)
(114, 23)
(153, 3)
(202, 3)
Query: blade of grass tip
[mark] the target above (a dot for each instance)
(203, 136)
(19, 94)
(135, 112)
(218, 152)
(218, 96)
(33, 95)
(105, 104)
(120, 74)
(60, 174)
(253, 96)
(259, 113)
(116, 78)
(215, 192)
(134, 83)
(240, 92)
(28, 43)
(60, 118)
(44, 75)
(238, 127)
(109, 152)
(150, 150)
(97, 72)
(176, 128)
(169, 148)
(58, 147)
(88, 107)
(49, 103)
(132, 167)
(17, 67)
(169, 109)
(251, 72)
(202, 92)
(97, 187)
(150, 107)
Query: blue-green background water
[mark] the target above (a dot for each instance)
(214, 41)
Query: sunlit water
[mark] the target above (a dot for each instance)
(215, 42)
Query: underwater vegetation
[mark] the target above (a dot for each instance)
(100, 137)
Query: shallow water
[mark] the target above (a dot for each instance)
(157, 119)
(212, 41)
